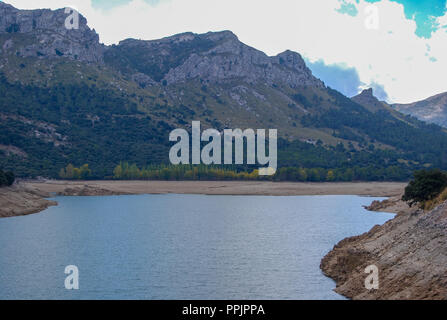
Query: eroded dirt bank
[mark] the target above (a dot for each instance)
(410, 252)
(19, 200)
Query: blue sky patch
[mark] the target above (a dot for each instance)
(343, 79)
(337, 76)
(109, 4)
(424, 13)
(348, 8)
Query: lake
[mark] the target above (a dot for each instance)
(179, 246)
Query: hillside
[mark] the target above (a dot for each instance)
(431, 110)
(66, 98)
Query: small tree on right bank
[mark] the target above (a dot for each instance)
(426, 185)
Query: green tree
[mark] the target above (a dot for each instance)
(426, 185)
(69, 172)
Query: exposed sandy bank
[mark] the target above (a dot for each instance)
(378, 189)
(29, 196)
(20, 200)
(393, 205)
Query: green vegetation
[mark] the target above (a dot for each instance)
(408, 138)
(51, 126)
(146, 59)
(125, 171)
(71, 173)
(6, 178)
(75, 124)
(431, 204)
(348, 164)
(57, 111)
(426, 186)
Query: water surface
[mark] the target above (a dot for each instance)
(179, 246)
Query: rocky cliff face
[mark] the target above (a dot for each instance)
(409, 251)
(210, 57)
(43, 34)
(432, 110)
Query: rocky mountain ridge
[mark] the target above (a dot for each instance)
(43, 34)
(222, 57)
(431, 110)
(211, 57)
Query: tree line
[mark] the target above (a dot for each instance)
(70, 172)
(126, 171)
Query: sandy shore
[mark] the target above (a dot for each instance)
(29, 197)
(377, 189)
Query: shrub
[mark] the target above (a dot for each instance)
(426, 185)
(6, 178)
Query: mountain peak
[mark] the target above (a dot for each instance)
(47, 35)
(212, 56)
(367, 93)
(6, 5)
(367, 99)
(221, 35)
(292, 60)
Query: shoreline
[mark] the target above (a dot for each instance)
(19, 200)
(405, 249)
(28, 197)
(264, 188)
(408, 251)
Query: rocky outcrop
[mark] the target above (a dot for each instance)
(410, 252)
(45, 35)
(19, 200)
(393, 204)
(210, 57)
(367, 99)
(87, 190)
(231, 59)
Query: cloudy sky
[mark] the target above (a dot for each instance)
(398, 47)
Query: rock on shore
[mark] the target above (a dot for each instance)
(18, 201)
(393, 204)
(410, 252)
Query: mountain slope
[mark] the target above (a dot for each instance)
(70, 99)
(431, 110)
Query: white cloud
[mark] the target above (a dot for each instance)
(392, 55)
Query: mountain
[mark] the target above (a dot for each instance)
(66, 98)
(42, 33)
(432, 110)
(367, 99)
